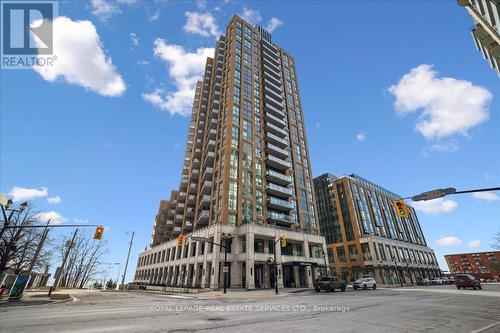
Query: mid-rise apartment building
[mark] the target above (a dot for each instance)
(486, 29)
(246, 175)
(484, 265)
(365, 235)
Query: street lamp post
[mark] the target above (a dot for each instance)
(327, 273)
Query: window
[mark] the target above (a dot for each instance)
(247, 212)
(353, 253)
(271, 247)
(247, 130)
(258, 245)
(382, 252)
(303, 200)
(259, 203)
(258, 175)
(300, 175)
(234, 137)
(341, 254)
(233, 195)
(299, 250)
(247, 183)
(236, 115)
(287, 250)
(367, 256)
(247, 155)
(233, 164)
(331, 257)
(231, 220)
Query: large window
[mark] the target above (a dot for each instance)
(353, 253)
(247, 130)
(233, 195)
(341, 254)
(258, 245)
(247, 215)
(233, 164)
(247, 183)
(303, 200)
(234, 137)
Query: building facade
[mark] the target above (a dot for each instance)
(486, 30)
(246, 167)
(484, 265)
(364, 234)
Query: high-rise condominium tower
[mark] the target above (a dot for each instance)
(486, 30)
(247, 174)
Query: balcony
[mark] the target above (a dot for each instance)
(190, 212)
(198, 143)
(203, 217)
(207, 187)
(182, 197)
(274, 64)
(279, 218)
(192, 188)
(180, 208)
(275, 121)
(269, 70)
(212, 134)
(184, 183)
(196, 163)
(278, 131)
(213, 123)
(208, 173)
(279, 204)
(268, 77)
(278, 178)
(270, 50)
(211, 145)
(209, 158)
(197, 152)
(277, 112)
(177, 230)
(275, 140)
(273, 99)
(191, 200)
(188, 226)
(194, 174)
(170, 222)
(205, 200)
(179, 217)
(278, 191)
(277, 151)
(278, 163)
(276, 87)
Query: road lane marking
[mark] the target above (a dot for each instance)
(454, 292)
(484, 328)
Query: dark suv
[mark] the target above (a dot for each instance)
(466, 280)
(329, 283)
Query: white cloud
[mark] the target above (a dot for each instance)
(273, 24)
(81, 59)
(134, 38)
(486, 196)
(449, 106)
(435, 206)
(318, 125)
(143, 62)
(203, 24)
(155, 16)
(25, 194)
(54, 200)
(185, 68)
(104, 9)
(250, 15)
(444, 147)
(53, 216)
(474, 244)
(201, 3)
(361, 137)
(449, 241)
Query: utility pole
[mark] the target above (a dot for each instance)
(39, 247)
(128, 255)
(56, 282)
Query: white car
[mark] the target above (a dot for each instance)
(364, 283)
(437, 281)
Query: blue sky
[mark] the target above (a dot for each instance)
(107, 136)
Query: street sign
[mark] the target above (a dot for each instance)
(225, 269)
(434, 194)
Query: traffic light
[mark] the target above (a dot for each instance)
(98, 232)
(180, 240)
(401, 208)
(283, 241)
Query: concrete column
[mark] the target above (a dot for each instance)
(194, 282)
(296, 276)
(205, 274)
(214, 283)
(250, 269)
(267, 277)
(236, 273)
(309, 277)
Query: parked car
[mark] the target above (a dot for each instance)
(436, 281)
(423, 282)
(452, 279)
(445, 280)
(467, 281)
(365, 283)
(329, 283)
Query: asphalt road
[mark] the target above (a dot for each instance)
(420, 309)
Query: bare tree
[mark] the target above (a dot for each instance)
(496, 244)
(18, 246)
(83, 260)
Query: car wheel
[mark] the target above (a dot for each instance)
(474, 287)
(480, 287)
(355, 288)
(374, 286)
(364, 287)
(332, 290)
(343, 288)
(458, 287)
(318, 290)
